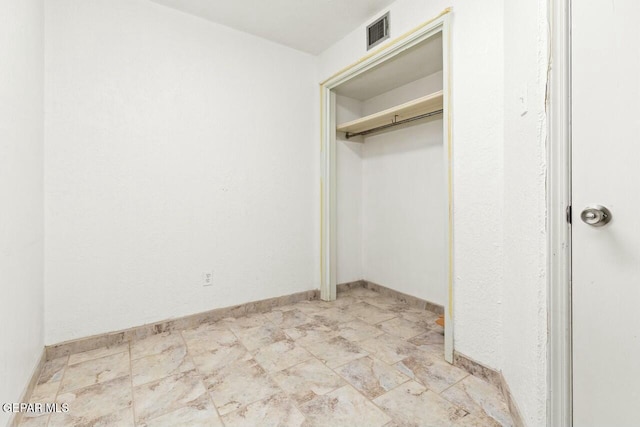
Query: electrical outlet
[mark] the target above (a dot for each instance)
(207, 278)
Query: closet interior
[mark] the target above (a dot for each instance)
(392, 209)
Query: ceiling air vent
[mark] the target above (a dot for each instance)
(378, 31)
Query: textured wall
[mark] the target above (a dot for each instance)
(174, 146)
(499, 62)
(478, 160)
(21, 192)
(150, 180)
(525, 243)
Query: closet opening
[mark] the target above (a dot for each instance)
(387, 193)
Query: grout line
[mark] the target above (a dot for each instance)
(133, 400)
(95, 358)
(201, 376)
(156, 380)
(460, 380)
(293, 401)
(369, 354)
(349, 361)
(94, 384)
(176, 375)
(55, 399)
(269, 375)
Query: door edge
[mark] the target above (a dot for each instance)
(559, 372)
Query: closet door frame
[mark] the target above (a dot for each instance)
(439, 24)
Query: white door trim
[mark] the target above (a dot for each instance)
(439, 24)
(559, 405)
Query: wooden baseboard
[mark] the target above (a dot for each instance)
(113, 338)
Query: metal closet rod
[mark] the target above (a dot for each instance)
(396, 123)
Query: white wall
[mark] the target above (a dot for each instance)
(478, 164)
(390, 200)
(21, 192)
(173, 146)
(349, 195)
(478, 159)
(405, 93)
(404, 222)
(525, 273)
(494, 170)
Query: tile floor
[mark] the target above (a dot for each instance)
(363, 360)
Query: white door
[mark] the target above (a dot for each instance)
(606, 171)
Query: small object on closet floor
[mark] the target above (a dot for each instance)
(440, 320)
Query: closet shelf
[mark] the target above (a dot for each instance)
(425, 106)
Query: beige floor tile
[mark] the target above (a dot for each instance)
(34, 420)
(358, 330)
(434, 373)
(212, 360)
(371, 376)
(263, 369)
(53, 370)
(436, 327)
(308, 307)
(479, 397)
(401, 328)
(281, 355)
(344, 407)
(389, 349)
(411, 404)
(274, 411)
(256, 337)
(287, 319)
(96, 371)
(288, 307)
(473, 420)
(337, 351)
(244, 322)
(174, 360)
(154, 399)
(311, 332)
(239, 384)
(208, 337)
(342, 301)
(388, 304)
(98, 404)
(155, 344)
(307, 380)
(423, 318)
(363, 293)
(45, 393)
(431, 341)
(332, 317)
(120, 418)
(200, 413)
(370, 313)
(98, 353)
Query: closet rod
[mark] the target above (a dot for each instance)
(396, 123)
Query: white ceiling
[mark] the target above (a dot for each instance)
(419, 61)
(307, 25)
